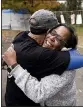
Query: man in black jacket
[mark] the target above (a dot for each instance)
(33, 57)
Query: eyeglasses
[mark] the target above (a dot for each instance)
(57, 36)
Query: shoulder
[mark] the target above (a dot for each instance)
(20, 36)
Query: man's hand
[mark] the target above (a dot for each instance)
(10, 56)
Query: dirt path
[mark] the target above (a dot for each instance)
(80, 41)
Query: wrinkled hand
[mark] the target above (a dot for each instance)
(10, 56)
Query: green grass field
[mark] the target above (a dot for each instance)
(79, 30)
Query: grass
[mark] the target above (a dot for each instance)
(79, 29)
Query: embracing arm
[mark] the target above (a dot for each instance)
(59, 61)
(76, 60)
(39, 90)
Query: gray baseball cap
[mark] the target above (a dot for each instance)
(43, 19)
